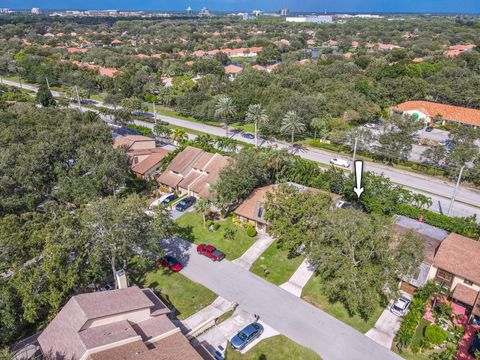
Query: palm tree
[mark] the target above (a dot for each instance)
(292, 124)
(258, 116)
(225, 110)
(202, 205)
(179, 136)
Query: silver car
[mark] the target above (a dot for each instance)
(400, 306)
(246, 336)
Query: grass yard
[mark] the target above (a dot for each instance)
(408, 355)
(275, 348)
(248, 127)
(192, 225)
(314, 294)
(185, 295)
(278, 263)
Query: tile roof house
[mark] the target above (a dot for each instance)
(145, 157)
(456, 50)
(427, 111)
(193, 171)
(252, 210)
(129, 323)
(233, 69)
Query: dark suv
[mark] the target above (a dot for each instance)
(184, 204)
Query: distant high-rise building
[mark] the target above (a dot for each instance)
(257, 12)
(36, 11)
(284, 11)
(4, 10)
(204, 12)
(189, 10)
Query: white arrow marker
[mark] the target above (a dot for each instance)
(358, 178)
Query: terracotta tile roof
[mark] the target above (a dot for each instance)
(460, 256)
(233, 69)
(448, 112)
(151, 161)
(418, 59)
(259, 67)
(72, 50)
(465, 294)
(109, 72)
(203, 160)
(189, 179)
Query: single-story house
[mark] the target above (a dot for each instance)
(124, 324)
(428, 111)
(252, 209)
(193, 171)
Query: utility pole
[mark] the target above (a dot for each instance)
(354, 154)
(48, 84)
(78, 98)
(456, 189)
(154, 115)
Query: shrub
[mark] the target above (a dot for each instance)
(210, 223)
(251, 231)
(435, 335)
(464, 226)
(216, 226)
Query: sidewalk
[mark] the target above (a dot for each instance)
(299, 279)
(219, 307)
(253, 253)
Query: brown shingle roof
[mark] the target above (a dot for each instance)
(431, 245)
(249, 208)
(169, 179)
(448, 112)
(151, 161)
(173, 347)
(460, 256)
(465, 294)
(185, 159)
(128, 140)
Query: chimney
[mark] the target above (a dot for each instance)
(121, 279)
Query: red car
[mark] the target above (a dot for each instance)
(210, 252)
(170, 263)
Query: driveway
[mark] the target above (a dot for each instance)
(385, 328)
(286, 313)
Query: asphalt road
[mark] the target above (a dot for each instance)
(467, 199)
(286, 313)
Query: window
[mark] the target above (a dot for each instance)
(444, 277)
(468, 282)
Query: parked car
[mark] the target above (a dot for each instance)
(400, 306)
(247, 135)
(246, 336)
(340, 162)
(167, 200)
(170, 263)
(475, 344)
(210, 252)
(428, 129)
(184, 204)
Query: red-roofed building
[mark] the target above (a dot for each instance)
(109, 72)
(72, 50)
(233, 69)
(428, 111)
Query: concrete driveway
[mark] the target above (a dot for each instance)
(286, 313)
(253, 252)
(385, 328)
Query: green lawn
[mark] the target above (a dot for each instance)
(185, 295)
(408, 355)
(192, 226)
(279, 264)
(314, 294)
(245, 127)
(161, 110)
(275, 348)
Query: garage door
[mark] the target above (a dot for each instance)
(408, 288)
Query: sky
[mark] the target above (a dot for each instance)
(421, 6)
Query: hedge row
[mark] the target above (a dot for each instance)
(463, 226)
